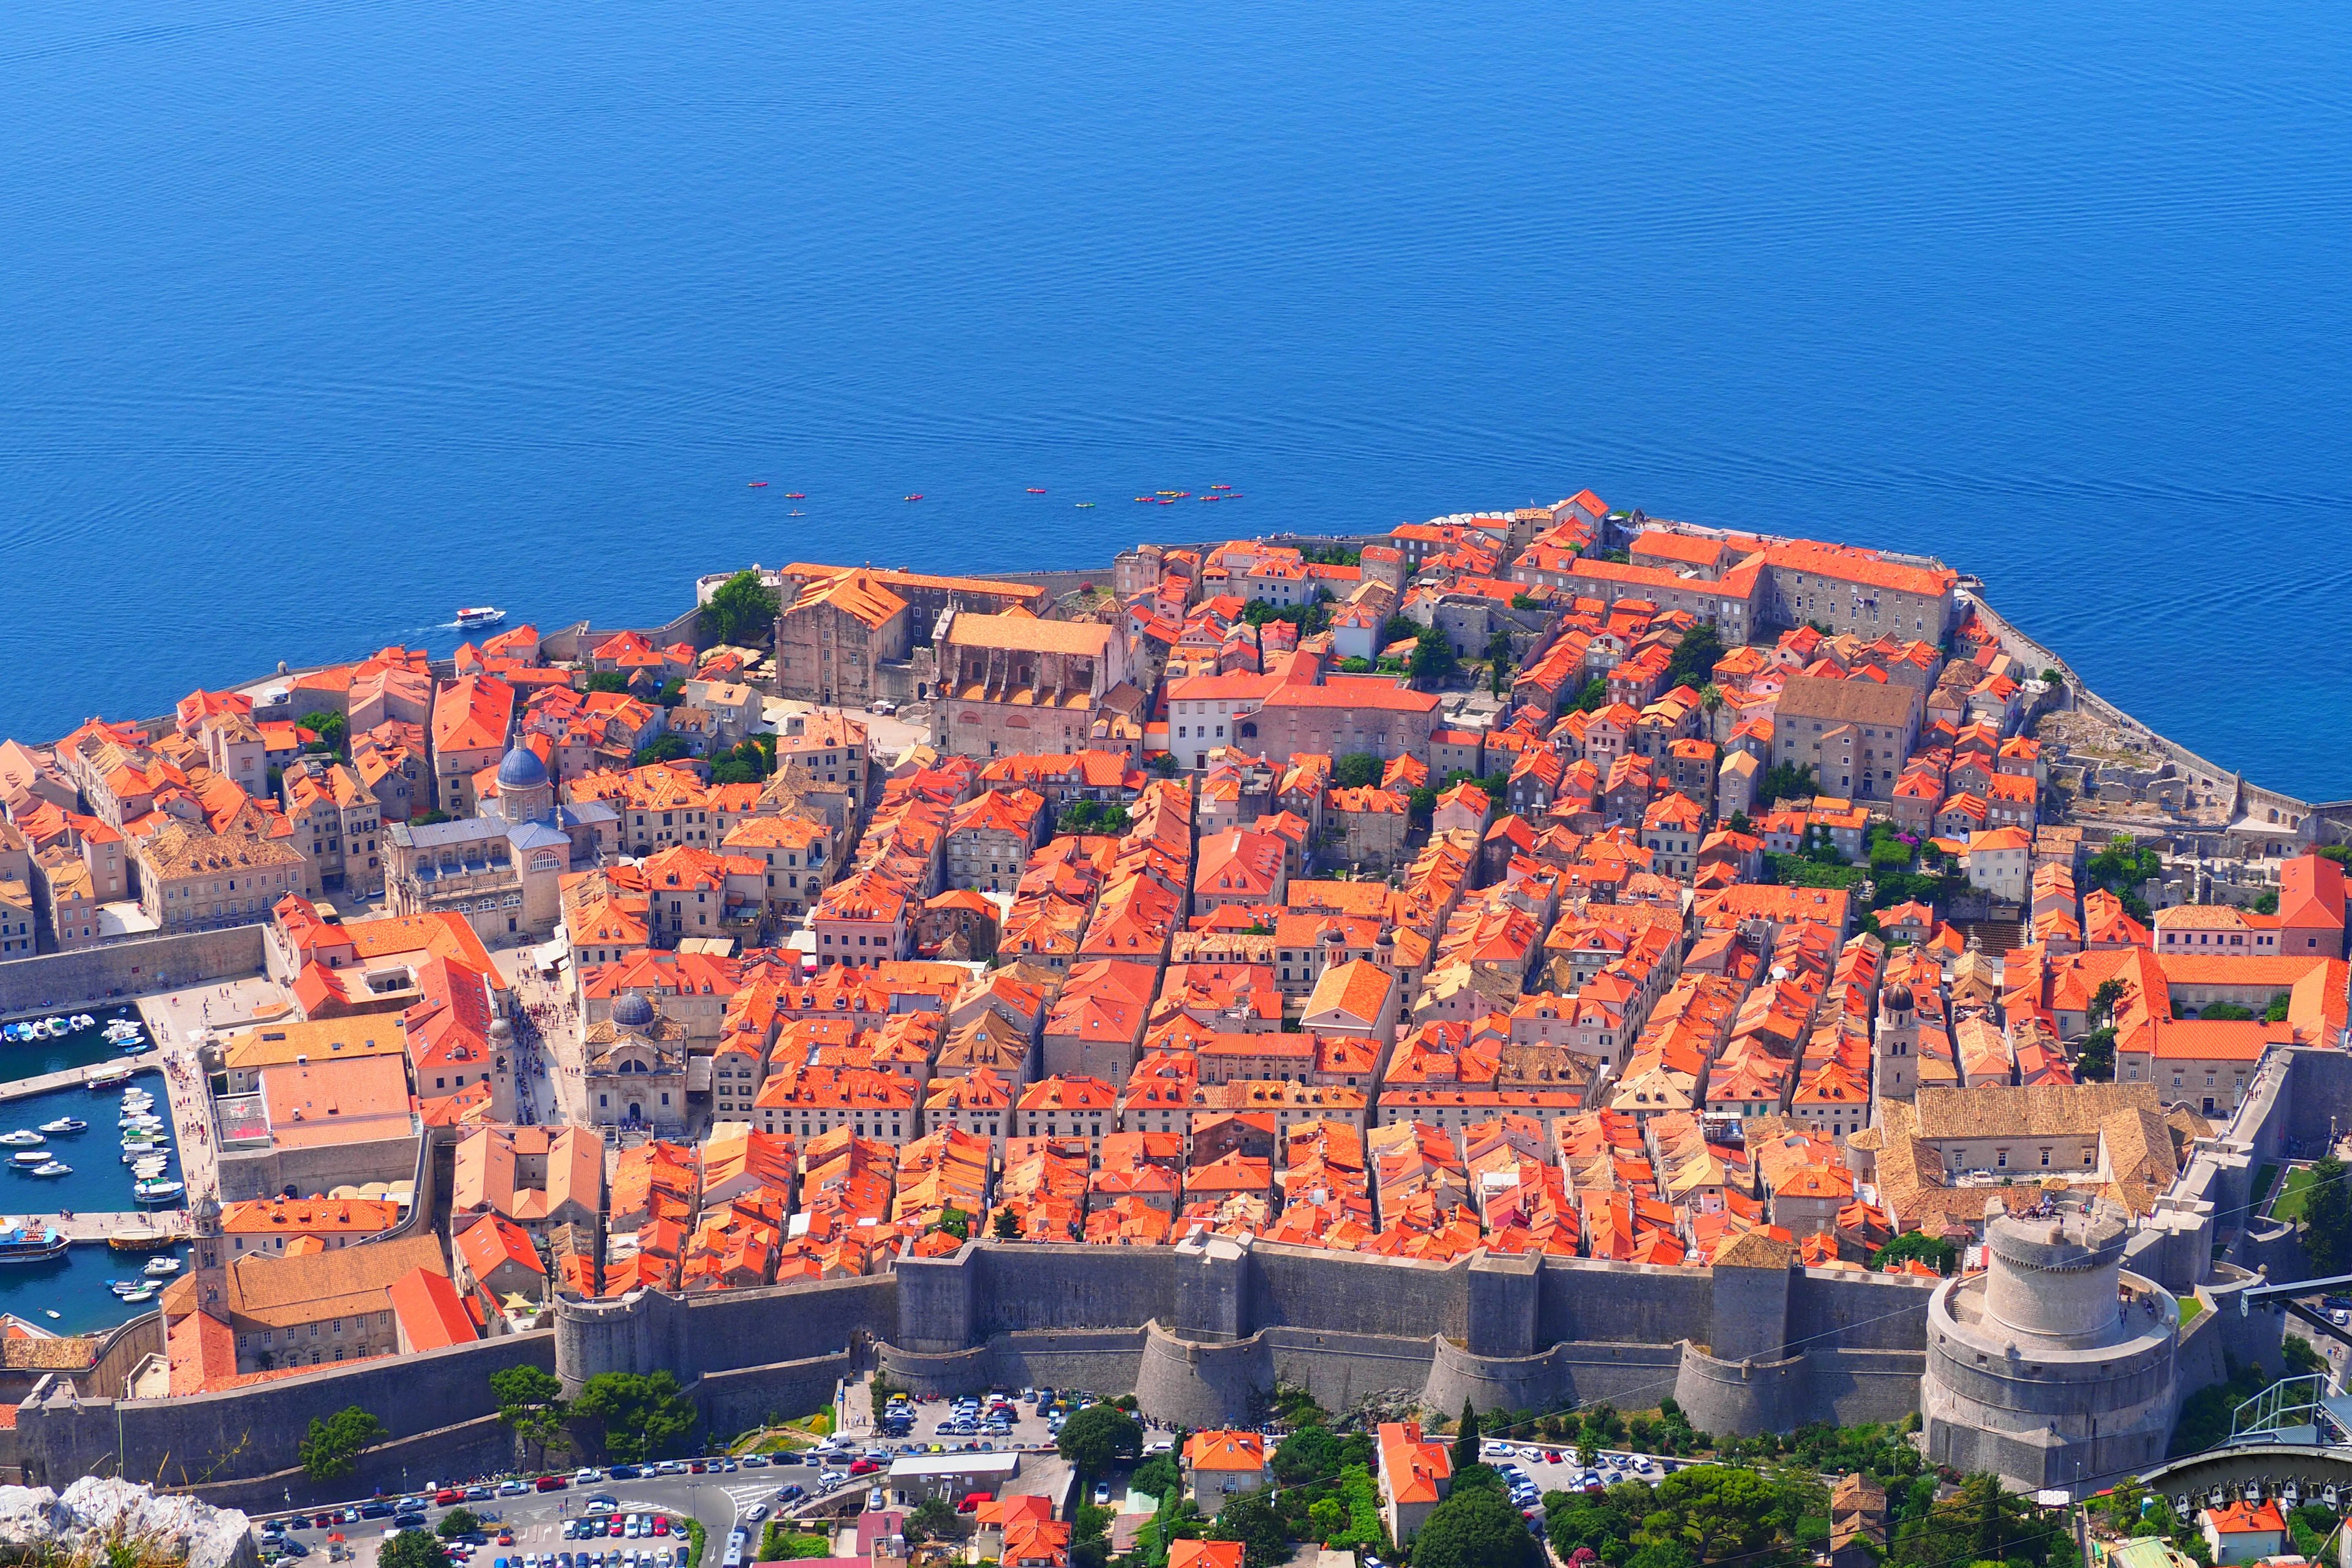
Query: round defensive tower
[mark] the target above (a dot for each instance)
(2054, 1365)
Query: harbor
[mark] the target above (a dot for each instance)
(91, 1202)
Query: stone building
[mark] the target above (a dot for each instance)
(634, 1068)
(2053, 1367)
(1016, 683)
(502, 869)
(830, 639)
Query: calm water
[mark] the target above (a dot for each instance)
(75, 1287)
(320, 318)
(75, 1048)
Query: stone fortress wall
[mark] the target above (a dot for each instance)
(1202, 1332)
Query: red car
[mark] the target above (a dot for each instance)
(444, 1496)
(697, 1467)
(552, 1483)
(661, 1524)
(863, 1467)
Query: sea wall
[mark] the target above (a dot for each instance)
(57, 980)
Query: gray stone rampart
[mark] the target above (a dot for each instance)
(1832, 1306)
(1506, 1295)
(205, 1437)
(1199, 1383)
(1637, 1376)
(129, 968)
(482, 1446)
(1073, 1286)
(1751, 1314)
(732, 1402)
(1742, 1397)
(1847, 1386)
(1344, 1370)
(1104, 1359)
(1632, 1303)
(1300, 1288)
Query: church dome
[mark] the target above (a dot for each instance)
(632, 1010)
(521, 769)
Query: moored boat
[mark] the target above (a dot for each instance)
(141, 1241)
(65, 1124)
(22, 1138)
(24, 1244)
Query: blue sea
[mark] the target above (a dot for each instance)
(75, 1287)
(320, 318)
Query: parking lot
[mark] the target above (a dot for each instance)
(1549, 1468)
(534, 1529)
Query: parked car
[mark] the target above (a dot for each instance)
(1102, 1494)
(552, 1483)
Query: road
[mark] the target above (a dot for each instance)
(537, 1518)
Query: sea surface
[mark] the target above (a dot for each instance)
(75, 1287)
(320, 318)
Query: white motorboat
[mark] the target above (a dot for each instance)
(162, 1268)
(53, 1168)
(157, 1192)
(57, 1026)
(83, 1021)
(25, 1159)
(66, 1124)
(123, 1029)
(131, 1156)
(22, 1138)
(141, 1121)
(472, 616)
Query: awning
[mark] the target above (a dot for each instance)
(698, 1075)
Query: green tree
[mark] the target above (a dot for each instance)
(608, 680)
(2096, 1061)
(1309, 1454)
(1693, 659)
(331, 1450)
(1475, 1527)
(412, 1549)
(672, 692)
(2225, 1013)
(332, 730)
(530, 1405)
(1357, 770)
(458, 1522)
(1157, 1477)
(1164, 763)
(1251, 1519)
(1006, 1225)
(1465, 1440)
(934, 1519)
(430, 819)
(1594, 697)
(2327, 1218)
(665, 748)
(1098, 1436)
(741, 611)
(1930, 1249)
(1787, 781)
(644, 1415)
(1432, 656)
(2267, 901)
(1329, 1516)
(2277, 1010)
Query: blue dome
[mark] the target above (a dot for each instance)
(521, 769)
(632, 1010)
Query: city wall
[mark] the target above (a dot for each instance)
(55, 980)
(1203, 1331)
(210, 1439)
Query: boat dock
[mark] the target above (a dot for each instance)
(26, 1087)
(96, 1228)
